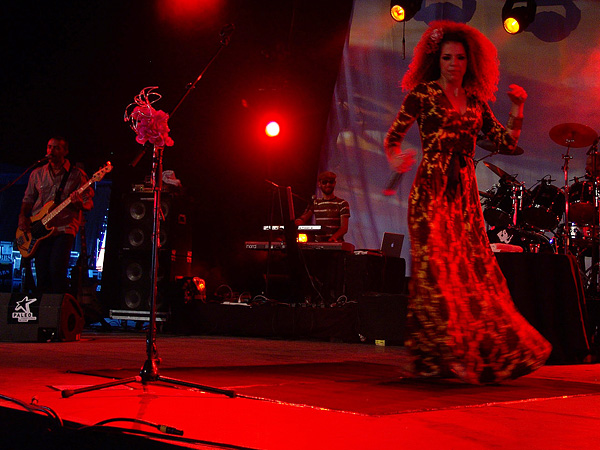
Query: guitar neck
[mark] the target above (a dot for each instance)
(52, 214)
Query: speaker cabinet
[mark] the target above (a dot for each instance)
(374, 273)
(382, 316)
(135, 256)
(40, 318)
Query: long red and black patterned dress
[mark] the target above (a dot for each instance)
(461, 316)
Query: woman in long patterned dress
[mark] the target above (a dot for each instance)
(462, 320)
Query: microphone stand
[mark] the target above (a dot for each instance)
(28, 284)
(44, 159)
(290, 234)
(477, 161)
(149, 371)
(225, 36)
(274, 192)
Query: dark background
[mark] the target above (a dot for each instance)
(71, 68)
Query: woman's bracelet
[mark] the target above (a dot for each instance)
(514, 123)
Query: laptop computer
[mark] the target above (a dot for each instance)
(391, 245)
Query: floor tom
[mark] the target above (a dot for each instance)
(581, 203)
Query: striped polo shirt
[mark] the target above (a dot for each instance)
(328, 214)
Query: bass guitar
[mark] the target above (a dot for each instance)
(28, 242)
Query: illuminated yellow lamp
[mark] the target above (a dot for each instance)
(516, 20)
(200, 286)
(512, 25)
(397, 13)
(302, 237)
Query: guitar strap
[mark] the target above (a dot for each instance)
(61, 188)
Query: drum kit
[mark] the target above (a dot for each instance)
(546, 218)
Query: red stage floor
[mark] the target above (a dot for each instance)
(295, 395)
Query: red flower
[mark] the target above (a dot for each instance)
(149, 124)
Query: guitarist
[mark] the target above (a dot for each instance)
(53, 183)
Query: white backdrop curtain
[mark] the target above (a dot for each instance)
(556, 59)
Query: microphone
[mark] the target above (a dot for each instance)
(272, 183)
(392, 184)
(226, 33)
(44, 159)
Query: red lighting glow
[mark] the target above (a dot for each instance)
(188, 12)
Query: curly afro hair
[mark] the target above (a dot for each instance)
(481, 78)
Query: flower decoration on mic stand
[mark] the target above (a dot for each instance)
(149, 124)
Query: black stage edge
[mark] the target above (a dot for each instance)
(362, 299)
(373, 316)
(548, 291)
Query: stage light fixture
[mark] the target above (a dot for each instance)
(403, 10)
(272, 129)
(517, 19)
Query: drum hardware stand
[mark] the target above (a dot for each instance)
(517, 198)
(593, 151)
(476, 161)
(592, 296)
(571, 135)
(489, 155)
(149, 371)
(565, 168)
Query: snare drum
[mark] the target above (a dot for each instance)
(581, 203)
(546, 208)
(581, 236)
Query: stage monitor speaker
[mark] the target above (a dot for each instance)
(40, 318)
(136, 277)
(135, 256)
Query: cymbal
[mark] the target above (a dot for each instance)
(573, 135)
(488, 145)
(485, 194)
(501, 173)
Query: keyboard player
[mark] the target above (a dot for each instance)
(330, 211)
(332, 214)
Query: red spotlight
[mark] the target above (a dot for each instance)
(272, 129)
